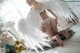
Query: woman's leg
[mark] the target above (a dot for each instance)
(64, 33)
(54, 27)
(57, 38)
(53, 24)
(48, 30)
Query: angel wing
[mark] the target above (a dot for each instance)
(30, 30)
(75, 6)
(63, 10)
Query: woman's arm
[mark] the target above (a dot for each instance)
(52, 13)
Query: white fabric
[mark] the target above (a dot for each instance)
(30, 27)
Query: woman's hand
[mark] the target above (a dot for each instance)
(43, 28)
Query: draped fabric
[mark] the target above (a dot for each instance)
(30, 27)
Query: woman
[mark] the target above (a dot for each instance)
(49, 25)
(31, 26)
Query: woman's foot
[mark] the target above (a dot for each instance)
(57, 38)
(65, 33)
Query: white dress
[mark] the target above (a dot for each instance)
(30, 27)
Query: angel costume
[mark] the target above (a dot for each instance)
(30, 27)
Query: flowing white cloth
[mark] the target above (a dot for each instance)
(30, 27)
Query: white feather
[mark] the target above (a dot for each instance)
(32, 34)
(63, 11)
